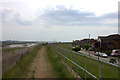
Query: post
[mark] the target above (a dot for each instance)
(98, 54)
(71, 60)
(67, 59)
(85, 67)
(89, 44)
(99, 70)
(76, 66)
(64, 57)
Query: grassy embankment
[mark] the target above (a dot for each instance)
(21, 69)
(11, 49)
(107, 71)
(59, 68)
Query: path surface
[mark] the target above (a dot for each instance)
(40, 67)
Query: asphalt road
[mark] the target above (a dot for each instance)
(101, 58)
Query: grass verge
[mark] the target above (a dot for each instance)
(59, 68)
(107, 71)
(21, 69)
(11, 49)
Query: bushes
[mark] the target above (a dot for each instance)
(77, 48)
(85, 46)
(112, 60)
(97, 50)
(109, 52)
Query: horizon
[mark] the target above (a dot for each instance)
(60, 41)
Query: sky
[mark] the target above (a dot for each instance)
(57, 20)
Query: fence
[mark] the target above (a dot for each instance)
(78, 66)
(11, 58)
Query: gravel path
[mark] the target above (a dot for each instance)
(41, 68)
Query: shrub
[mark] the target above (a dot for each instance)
(112, 60)
(108, 52)
(77, 48)
(97, 50)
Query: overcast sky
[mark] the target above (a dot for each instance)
(60, 20)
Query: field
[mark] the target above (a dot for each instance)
(107, 71)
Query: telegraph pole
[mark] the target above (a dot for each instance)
(89, 44)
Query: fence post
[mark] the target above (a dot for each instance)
(99, 70)
(76, 66)
(64, 57)
(71, 60)
(85, 67)
(67, 59)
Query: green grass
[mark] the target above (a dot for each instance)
(21, 69)
(59, 68)
(11, 49)
(107, 71)
(67, 46)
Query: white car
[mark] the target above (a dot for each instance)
(97, 54)
(115, 52)
(101, 54)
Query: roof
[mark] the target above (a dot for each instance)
(110, 37)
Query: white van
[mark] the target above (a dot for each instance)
(115, 52)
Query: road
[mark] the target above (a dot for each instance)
(101, 58)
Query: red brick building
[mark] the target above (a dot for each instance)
(85, 42)
(108, 42)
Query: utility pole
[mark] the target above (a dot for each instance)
(89, 44)
(99, 50)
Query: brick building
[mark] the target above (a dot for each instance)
(108, 42)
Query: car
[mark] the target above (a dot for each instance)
(115, 52)
(97, 54)
(101, 54)
(73, 47)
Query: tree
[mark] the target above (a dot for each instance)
(73, 43)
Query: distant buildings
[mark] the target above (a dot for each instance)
(85, 42)
(104, 43)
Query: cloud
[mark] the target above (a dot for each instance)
(61, 16)
(69, 17)
(63, 19)
(7, 14)
(23, 20)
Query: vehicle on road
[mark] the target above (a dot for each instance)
(116, 53)
(101, 54)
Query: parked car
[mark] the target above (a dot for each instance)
(97, 54)
(115, 52)
(100, 54)
(103, 55)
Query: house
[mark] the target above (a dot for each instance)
(108, 42)
(86, 41)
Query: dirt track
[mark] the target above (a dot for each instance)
(41, 68)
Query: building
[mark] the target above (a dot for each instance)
(108, 42)
(85, 42)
